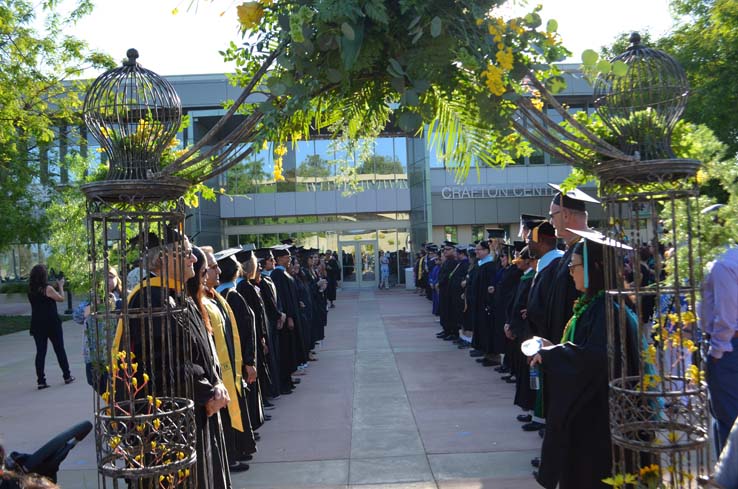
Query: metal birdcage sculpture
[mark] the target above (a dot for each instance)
(658, 402)
(642, 109)
(136, 334)
(134, 114)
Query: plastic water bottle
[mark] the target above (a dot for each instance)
(532, 346)
(535, 378)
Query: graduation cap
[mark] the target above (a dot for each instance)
(226, 254)
(712, 208)
(280, 250)
(543, 230)
(246, 252)
(450, 244)
(154, 240)
(524, 255)
(507, 250)
(518, 245)
(531, 221)
(287, 241)
(432, 248)
(593, 238)
(263, 254)
(462, 250)
(495, 233)
(572, 199)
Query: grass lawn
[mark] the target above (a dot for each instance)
(13, 324)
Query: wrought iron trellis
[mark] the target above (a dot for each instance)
(658, 417)
(145, 430)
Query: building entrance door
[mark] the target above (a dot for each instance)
(359, 263)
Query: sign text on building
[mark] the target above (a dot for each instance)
(492, 192)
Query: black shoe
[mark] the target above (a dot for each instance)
(536, 462)
(246, 458)
(69, 380)
(238, 467)
(524, 418)
(535, 474)
(257, 436)
(489, 363)
(332, 306)
(464, 346)
(511, 379)
(502, 369)
(267, 403)
(476, 353)
(43, 385)
(267, 417)
(441, 334)
(296, 381)
(480, 360)
(542, 432)
(269, 408)
(451, 337)
(533, 426)
(286, 392)
(507, 377)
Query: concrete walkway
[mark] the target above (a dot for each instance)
(386, 406)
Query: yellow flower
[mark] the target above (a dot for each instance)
(649, 471)
(650, 380)
(280, 150)
(505, 59)
(156, 423)
(140, 428)
(146, 377)
(121, 355)
(479, 22)
(149, 398)
(114, 442)
(105, 396)
(158, 403)
(134, 367)
(249, 15)
(180, 455)
(493, 76)
(537, 103)
(695, 375)
(153, 445)
(619, 481)
(673, 436)
(134, 382)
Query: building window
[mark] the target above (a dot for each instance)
(477, 233)
(451, 233)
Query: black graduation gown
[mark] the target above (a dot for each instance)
(502, 298)
(483, 303)
(543, 284)
(319, 311)
(246, 323)
(470, 299)
(576, 449)
(443, 295)
(306, 313)
(290, 343)
(561, 300)
(273, 313)
(524, 396)
(253, 299)
(238, 443)
(212, 462)
(456, 302)
(333, 273)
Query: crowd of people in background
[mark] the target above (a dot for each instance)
(534, 309)
(255, 320)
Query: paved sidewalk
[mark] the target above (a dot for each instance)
(387, 406)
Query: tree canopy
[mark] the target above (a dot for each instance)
(37, 98)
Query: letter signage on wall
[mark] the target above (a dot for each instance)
(494, 192)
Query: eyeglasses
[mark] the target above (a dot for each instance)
(552, 214)
(572, 266)
(213, 266)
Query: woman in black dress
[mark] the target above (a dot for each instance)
(46, 324)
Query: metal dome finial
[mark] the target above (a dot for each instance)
(635, 39)
(132, 55)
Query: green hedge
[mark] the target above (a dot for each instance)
(14, 287)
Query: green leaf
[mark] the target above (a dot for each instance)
(417, 36)
(333, 75)
(409, 121)
(411, 98)
(552, 25)
(435, 27)
(590, 57)
(348, 31)
(414, 22)
(396, 66)
(619, 68)
(350, 49)
(604, 66)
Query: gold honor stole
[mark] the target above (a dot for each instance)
(231, 378)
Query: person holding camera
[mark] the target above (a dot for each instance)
(46, 324)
